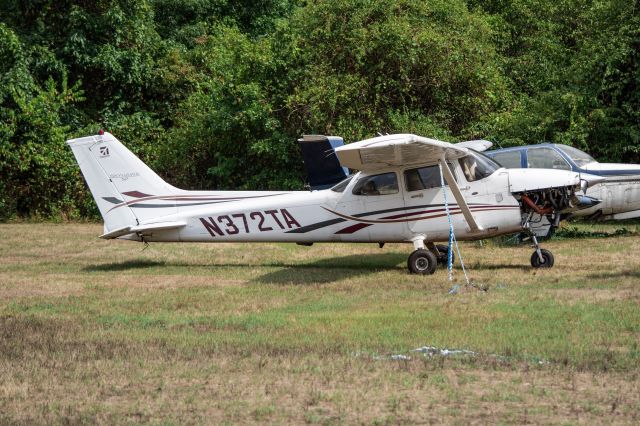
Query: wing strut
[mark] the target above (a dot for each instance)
(466, 212)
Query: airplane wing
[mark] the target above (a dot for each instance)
(404, 149)
(477, 145)
(396, 150)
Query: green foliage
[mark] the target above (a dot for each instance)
(213, 94)
(573, 232)
(355, 65)
(38, 171)
(576, 68)
(226, 135)
(186, 19)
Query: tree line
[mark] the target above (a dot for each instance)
(214, 93)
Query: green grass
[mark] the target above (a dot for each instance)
(94, 330)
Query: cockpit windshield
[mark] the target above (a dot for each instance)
(340, 187)
(476, 166)
(579, 157)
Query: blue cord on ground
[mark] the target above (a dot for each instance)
(452, 237)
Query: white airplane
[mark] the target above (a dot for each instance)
(396, 196)
(619, 189)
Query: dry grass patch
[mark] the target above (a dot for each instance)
(594, 295)
(100, 331)
(299, 389)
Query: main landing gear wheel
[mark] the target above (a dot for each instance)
(444, 253)
(423, 262)
(547, 257)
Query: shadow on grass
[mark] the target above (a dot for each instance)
(318, 272)
(498, 267)
(123, 266)
(333, 269)
(617, 274)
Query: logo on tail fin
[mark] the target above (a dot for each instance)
(104, 151)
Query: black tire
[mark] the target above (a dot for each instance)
(422, 262)
(546, 255)
(444, 252)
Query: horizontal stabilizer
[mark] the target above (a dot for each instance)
(150, 227)
(116, 233)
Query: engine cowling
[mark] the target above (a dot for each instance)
(547, 196)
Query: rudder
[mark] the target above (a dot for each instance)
(117, 178)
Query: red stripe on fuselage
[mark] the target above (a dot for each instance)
(353, 228)
(184, 198)
(402, 217)
(406, 217)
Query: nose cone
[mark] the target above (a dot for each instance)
(521, 180)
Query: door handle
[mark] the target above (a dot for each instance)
(417, 196)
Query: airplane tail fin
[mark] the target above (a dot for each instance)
(117, 180)
(322, 165)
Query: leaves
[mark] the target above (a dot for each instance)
(213, 94)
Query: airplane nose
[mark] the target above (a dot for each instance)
(522, 180)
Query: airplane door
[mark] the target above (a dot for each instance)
(424, 201)
(370, 206)
(424, 195)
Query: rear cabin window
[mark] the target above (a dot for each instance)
(382, 184)
(509, 159)
(424, 178)
(546, 158)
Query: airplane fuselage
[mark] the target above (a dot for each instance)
(620, 195)
(409, 189)
(619, 192)
(332, 216)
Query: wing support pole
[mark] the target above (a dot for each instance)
(453, 185)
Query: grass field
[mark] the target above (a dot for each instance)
(103, 331)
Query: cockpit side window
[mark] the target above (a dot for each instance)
(546, 158)
(508, 159)
(382, 184)
(476, 166)
(424, 178)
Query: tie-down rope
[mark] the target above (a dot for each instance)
(452, 237)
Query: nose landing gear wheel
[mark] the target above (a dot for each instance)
(422, 262)
(443, 251)
(546, 256)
